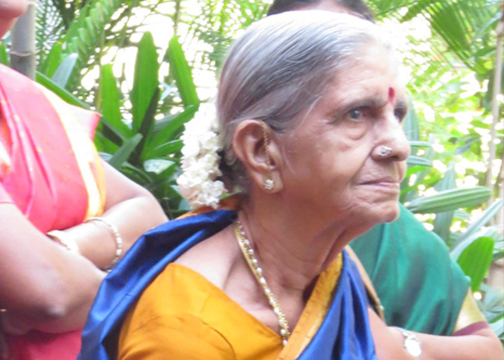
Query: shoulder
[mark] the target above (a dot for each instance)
(170, 318)
(215, 268)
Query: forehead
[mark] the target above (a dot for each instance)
(373, 70)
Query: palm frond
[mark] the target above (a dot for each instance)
(465, 26)
(220, 22)
(49, 27)
(84, 34)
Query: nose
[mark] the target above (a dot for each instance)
(391, 143)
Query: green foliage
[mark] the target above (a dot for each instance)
(475, 260)
(83, 35)
(148, 150)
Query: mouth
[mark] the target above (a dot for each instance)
(385, 182)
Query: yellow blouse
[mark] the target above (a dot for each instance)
(181, 315)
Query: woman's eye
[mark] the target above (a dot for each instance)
(355, 115)
(400, 113)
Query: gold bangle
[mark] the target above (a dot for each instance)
(117, 239)
(63, 239)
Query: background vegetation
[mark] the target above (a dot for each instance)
(84, 52)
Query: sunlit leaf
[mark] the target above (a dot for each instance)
(450, 200)
(110, 102)
(475, 260)
(182, 73)
(145, 83)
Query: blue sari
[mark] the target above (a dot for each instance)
(344, 333)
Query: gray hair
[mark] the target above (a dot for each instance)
(280, 68)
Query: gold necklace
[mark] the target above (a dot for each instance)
(249, 255)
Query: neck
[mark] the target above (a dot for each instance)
(293, 248)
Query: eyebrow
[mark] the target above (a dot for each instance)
(371, 101)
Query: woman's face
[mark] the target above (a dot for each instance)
(333, 164)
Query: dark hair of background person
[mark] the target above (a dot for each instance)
(356, 6)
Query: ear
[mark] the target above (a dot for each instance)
(249, 147)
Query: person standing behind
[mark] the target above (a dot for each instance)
(66, 217)
(420, 287)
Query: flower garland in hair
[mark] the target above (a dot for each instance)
(200, 160)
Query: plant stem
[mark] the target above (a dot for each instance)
(23, 42)
(495, 104)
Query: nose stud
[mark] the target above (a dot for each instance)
(384, 151)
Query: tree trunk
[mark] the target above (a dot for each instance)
(23, 42)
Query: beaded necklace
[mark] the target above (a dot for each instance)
(249, 255)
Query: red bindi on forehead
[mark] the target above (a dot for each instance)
(391, 95)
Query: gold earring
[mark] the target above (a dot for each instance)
(269, 183)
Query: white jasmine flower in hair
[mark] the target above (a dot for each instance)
(200, 160)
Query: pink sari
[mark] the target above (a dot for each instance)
(51, 171)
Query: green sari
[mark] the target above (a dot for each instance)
(420, 287)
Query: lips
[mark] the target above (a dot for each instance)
(387, 180)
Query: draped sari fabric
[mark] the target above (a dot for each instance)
(344, 334)
(50, 170)
(403, 259)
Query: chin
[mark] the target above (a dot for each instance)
(392, 213)
(384, 213)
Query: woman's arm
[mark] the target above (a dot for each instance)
(45, 287)
(40, 281)
(129, 207)
(478, 344)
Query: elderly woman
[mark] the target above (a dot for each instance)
(310, 107)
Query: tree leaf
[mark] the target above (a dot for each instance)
(166, 130)
(60, 91)
(52, 61)
(64, 70)
(125, 151)
(170, 147)
(182, 73)
(418, 161)
(450, 200)
(147, 127)
(145, 83)
(443, 220)
(475, 260)
(4, 57)
(489, 213)
(410, 123)
(85, 31)
(110, 102)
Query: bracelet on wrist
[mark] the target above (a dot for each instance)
(116, 236)
(411, 343)
(65, 240)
